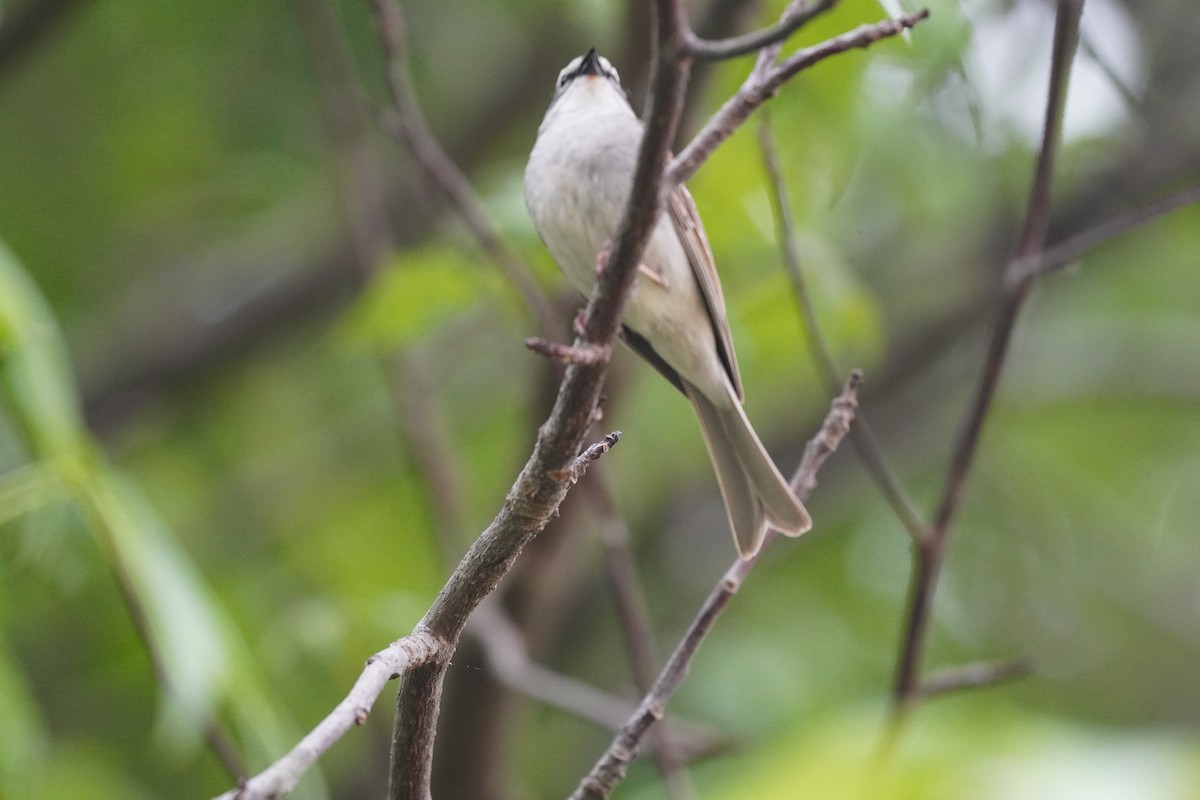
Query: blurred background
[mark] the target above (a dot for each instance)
(261, 388)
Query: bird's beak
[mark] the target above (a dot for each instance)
(590, 64)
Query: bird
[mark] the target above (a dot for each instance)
(577, 180)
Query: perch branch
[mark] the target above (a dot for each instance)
(536, 494)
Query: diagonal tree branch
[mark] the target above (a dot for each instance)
(405, 121)
(21, 29)
(610, 769)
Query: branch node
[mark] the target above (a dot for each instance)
(585, 354)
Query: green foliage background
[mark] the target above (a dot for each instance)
(250, 503)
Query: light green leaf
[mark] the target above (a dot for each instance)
(35, 372)
(25, 741)
(417, 294)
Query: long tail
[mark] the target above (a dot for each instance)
(756, 495)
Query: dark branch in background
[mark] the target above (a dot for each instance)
(509, 660)
(22, 29)
(343, 106)
(861, 434)
(405, 121)
(1019, 278)
(1063, 253)
(971, 676)
(610, 769)
(634, 618)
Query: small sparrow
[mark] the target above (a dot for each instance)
(576, 184)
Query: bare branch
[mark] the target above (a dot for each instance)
(1019, 277)
(610, 769)
(862, 434)
(421, 647)
(763, 83)
(794, 18)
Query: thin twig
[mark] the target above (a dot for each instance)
(588, 457)
(418, 648)
(971, 676)
(1019, 277)
(822, 354)
(509, 661)
(429, 445)
(763, 83)
(344, 111)
(1063, 253)
(610, 769)
(569, 354)
(406, 122)
(797, 15)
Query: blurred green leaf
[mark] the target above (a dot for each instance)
(24, 740)
(194, 646)
(35, 372)
(418, 293)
